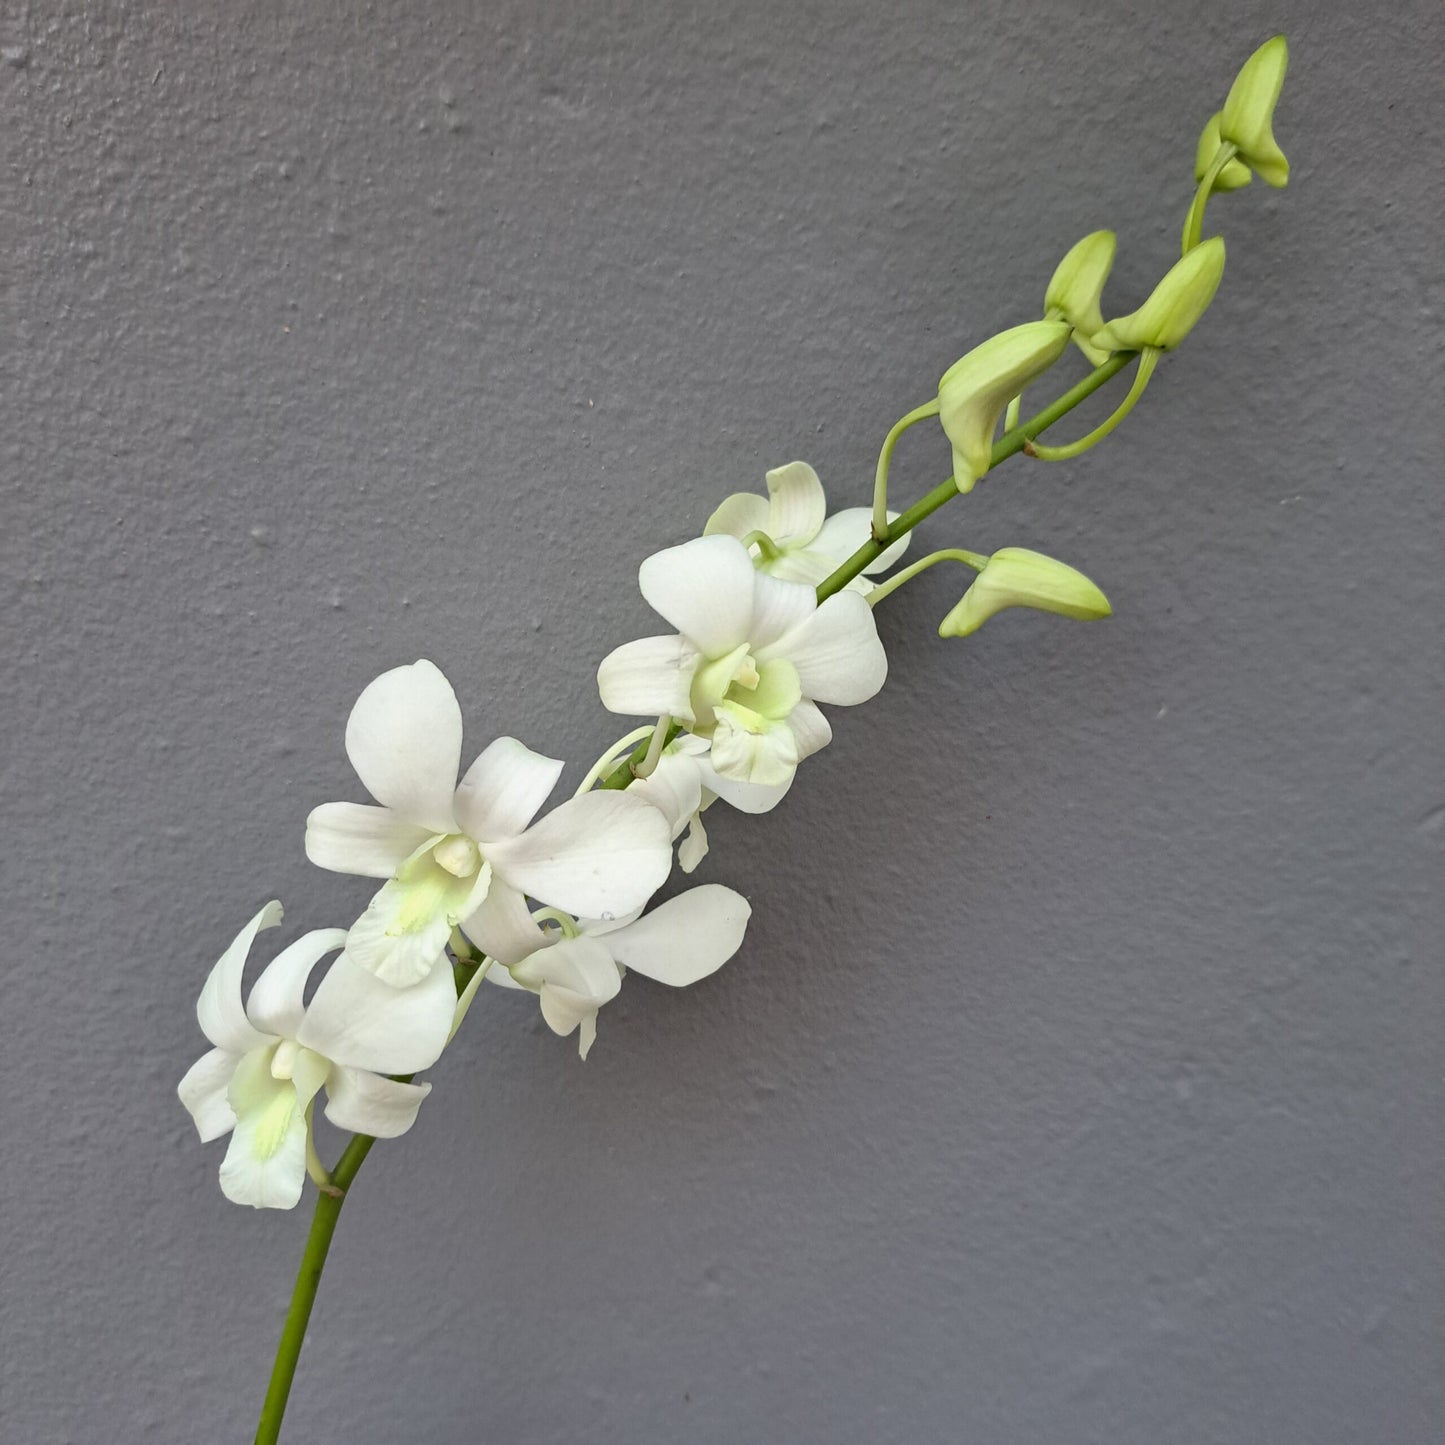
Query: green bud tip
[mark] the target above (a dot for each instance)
(977, 387)
(1177, 302)
(1016, 577)
(1234, 175)
(1247, 119)
(1075, 289)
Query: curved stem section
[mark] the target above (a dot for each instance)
(624, 769)
(605, 762)
(1194, 221)
(880, 477)
(308, 1280)
(949, 554)
(1006, 446)
(1148, 358)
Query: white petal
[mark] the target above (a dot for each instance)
(219, 1010)
(596, 927)
(810, 729)
(366, 1103)
(766, 759)
(576, 976)
(836, 651)
(808, 567)
(400, 956)
(674, 787)
(502, 927)
(693, 849)
(583, 966)
(745, 797)
(846, 531)
(647, 678)
(686, 938)
(778, 607)
(277, 1002)
(705, 589)
(564, 1010)
(503, 790)
(203, 1092)
(358, 838)
(739, 514)
(500, 975)
(604, 852)
(358, 1021)
(407, 923)
(265, 1164)
(586, 1035)
(404, 739)
(796, 506)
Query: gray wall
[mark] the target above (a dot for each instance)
(1080, 1077)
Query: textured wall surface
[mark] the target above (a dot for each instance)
(1080, 1079)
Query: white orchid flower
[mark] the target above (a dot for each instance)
(804, 544)
(752, 657)
(274, 1053)
(574, 974)
(677, 787)
(465, 852)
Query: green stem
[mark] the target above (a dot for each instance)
(308, 1279)
(1194, 221)
(880, 477)
(625, 769)
(949, 554)
(604, 763)
(1147, 361)
(1006, 446)
(655, 745)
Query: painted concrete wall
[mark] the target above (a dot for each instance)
(1080, 1079)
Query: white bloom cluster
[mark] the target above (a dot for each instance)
(553, 904)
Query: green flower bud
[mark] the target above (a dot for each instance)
(1177, 302)
(1077, 284)
(1235, 173)
(977, 387)
(1016, 577)
(1247, 119)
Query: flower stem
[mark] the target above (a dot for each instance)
(1010, 443)
(605, 762)
(655, 745)
(623, 770)
(1194, 221)
(1147, 359)
(880, 479)
(308, 1278)
(949, 554)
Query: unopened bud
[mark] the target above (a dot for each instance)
(977, 387)
(1178, 301)
(1233, 174)
(1247, 119)
(1016, 577)
(1076, 287)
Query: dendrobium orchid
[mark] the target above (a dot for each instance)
(468, 852)
(752, 657)
(790, 535)
(574, 970)
(274, 1053)
(772, 613)
(678, 787)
